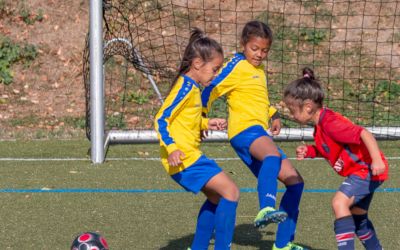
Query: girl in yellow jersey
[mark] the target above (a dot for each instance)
(178, 125)
(243, 81)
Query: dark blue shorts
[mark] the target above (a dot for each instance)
(241, 144)
(195, 177)
(362, 190)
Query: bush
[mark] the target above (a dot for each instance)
(10, 53)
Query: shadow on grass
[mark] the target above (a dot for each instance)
(246, 235)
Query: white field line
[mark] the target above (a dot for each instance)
(139, 159)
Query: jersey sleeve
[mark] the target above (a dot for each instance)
(272, 110)
(204, 123)
(312, 152)
(169, 110)
(225, 81)
(342, 130)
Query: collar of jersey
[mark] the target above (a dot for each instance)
(322, 114)
(240, 56)
(190, 80)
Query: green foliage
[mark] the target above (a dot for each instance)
(75, 122)
(2, 6)
(388, 90)
(25, 121)
(116, 121)
(312, 3)
(314, 36)
(28, 17)
(219, 109)
(11, 53)
(139, 97)
(396, 37)
(384, 91)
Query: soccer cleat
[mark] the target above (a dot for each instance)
(269, 215)
(290, 246)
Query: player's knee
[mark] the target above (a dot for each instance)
(339, 207)
(232, 193)
(336, 203)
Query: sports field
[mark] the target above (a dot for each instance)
(50, 191)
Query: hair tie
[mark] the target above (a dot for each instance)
(306, 75)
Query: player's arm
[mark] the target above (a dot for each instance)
(377, 165)
(169, 110)
(276, 123)
(306, 151)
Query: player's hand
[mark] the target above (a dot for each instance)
(301, 152)
(377, 166)
(175, 158)
(276, 126)
(217, 124)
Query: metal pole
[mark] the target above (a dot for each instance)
(96, 81)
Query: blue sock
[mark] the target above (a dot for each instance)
(268, 181)
(225, 217)
(205, 226)
(344, 230)
(366, 233)
(290, 204)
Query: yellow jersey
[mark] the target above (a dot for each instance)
(178, 123)
(245, 87)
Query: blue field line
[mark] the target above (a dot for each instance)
(105, 190)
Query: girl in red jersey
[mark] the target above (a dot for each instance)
(352, 152)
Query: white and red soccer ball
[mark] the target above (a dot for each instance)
(89, 241)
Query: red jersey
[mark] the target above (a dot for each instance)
(338, 140)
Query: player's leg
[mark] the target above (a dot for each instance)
(205, 175)
(344, 224)
(290, 204)
(365, 230)
(257, 150)
(206, 221)
(264, 149)
(356, 192)
(225, 214)
(342, 201)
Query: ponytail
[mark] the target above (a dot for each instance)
(305, 88)
(199, 46)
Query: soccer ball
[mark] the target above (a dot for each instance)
(89, 241)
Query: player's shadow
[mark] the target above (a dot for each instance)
(246, 235)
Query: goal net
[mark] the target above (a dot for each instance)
(353, 46)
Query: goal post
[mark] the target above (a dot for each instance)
(96, 82)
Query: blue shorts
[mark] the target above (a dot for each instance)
(195, 177)
(241, 144)
(362, 190)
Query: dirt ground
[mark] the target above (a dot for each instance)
(51, 89)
